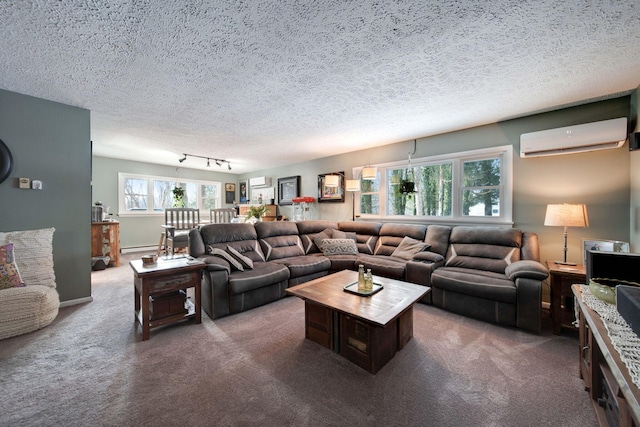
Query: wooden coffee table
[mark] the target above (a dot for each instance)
(368, 331)
(160, 278)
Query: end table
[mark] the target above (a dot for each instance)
(561, 278)
(164, 276)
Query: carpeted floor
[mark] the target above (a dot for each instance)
(89, 368)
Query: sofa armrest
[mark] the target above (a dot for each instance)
(426, 256)
(419, 272)
(526, 269)
(197, 247)
(214, 263)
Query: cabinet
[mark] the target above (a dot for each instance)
(105, 241)
(561, 278)
(614, 396)
(270, 215)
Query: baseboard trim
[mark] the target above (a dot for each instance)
(135, 249)
(75, 301)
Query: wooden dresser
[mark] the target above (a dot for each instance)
(614, 396)
(105, 241)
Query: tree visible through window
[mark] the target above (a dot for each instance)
(481, 188)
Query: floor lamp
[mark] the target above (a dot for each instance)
(566, 215)
(352, 185)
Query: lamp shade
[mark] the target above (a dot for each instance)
(353, 185)
(567, 215)
(369, 172)
(331, 180)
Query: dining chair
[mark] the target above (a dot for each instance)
(221, 215)
(177, 224)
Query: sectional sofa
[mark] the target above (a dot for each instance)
(489, 273)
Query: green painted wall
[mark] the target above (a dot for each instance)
(50, 142)
(143, 230)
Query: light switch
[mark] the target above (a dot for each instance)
(25, 182)
(36, 184)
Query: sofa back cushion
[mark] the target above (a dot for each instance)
(279, 239)
(366, 234)
(241, 237)
(308, 230)
(438, 238)
(392, 234)
(483, 248)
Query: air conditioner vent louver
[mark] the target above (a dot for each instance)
(574, 139)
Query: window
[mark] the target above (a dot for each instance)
(473, 186)
(142, 194)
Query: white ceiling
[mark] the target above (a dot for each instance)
(264, 83)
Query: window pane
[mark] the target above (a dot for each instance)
(209, 197)
(370, 204)
(162, 194)
(370, 185)
(135, 194)
(481, 202)
(482, 173)
(434, 190)
(191, 195)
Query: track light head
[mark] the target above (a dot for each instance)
(228, 165)
(218, 162)
(208, 164)
(183, 159)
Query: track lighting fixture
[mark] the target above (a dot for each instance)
(219, 162)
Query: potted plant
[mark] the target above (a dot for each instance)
(407, 186)
(178, 197)
(255, 213)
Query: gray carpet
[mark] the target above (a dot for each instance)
(89, 368)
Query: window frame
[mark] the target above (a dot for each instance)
(122, 176)
(505, 153)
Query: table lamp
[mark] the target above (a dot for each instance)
(566, 215)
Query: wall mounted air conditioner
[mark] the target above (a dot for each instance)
(575, 139)
(260, 181)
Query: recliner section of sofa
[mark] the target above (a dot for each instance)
(489, 273)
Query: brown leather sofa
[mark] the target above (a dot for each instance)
(489, 273)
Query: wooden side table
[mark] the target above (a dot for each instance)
(561, 279)
(163, 277)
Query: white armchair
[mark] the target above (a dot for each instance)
(36, 305)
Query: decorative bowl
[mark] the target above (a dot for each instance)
(148, 259)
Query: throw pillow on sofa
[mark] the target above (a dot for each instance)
(318, 238)
(234, 263)
(339, 247)
(337, 234)
(9, 274)
(245, 261)
(408, 247)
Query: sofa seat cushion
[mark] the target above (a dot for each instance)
(301, 266)
(263, 274)
(386, 266)
(477, 283)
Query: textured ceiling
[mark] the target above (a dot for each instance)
(264, 83)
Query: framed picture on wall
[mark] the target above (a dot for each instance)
(229, 193)
(331, 194)
(244, 192)
(602, 245)
(288, 188)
